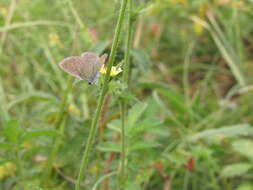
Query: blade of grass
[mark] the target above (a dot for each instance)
(187, 61)
(238, 37)
(217, 29)
(53, 65)
(79, 21)
(7, 23)
(35, 23)
(223, 50)
(226, 49)
(102, 179)
(3, 109)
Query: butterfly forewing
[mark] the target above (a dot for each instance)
(72, 65)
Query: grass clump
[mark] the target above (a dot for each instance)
(176, 117)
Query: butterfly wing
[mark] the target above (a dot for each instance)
(92, 66)
(72, 65)
(85, 67)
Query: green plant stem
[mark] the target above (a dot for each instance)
(92, 132)
(58, 126)
(20, 169)
(3, 110)
(123, 146)
(186, 180)
(123, 105)
(128, 43)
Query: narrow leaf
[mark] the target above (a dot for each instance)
(12, 131)
(109, 147)
(39, 132)
(234, 170)
(228, 131)
(244, 147)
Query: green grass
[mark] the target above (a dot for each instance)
(183, 107)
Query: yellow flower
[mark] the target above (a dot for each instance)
(53, 39)
(238, 3)
(3, 11)
(7, 169)
(221, 2)
(114, 71)
(94, 169)
(198, 28)
(27, 144)
(73, 109)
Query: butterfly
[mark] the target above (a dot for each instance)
(84, 67)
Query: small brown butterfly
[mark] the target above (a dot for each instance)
(84, 67)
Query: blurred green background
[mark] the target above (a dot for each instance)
(189, 124)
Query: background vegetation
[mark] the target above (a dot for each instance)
(189, 123)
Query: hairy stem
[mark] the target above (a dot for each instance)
(123, 105)
(92, 132)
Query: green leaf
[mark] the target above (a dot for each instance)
(5, 146)
(109, 147)
(177, 102)
(141, 9)
(157, 85)
(234, 170)
(141, 58)
(33, 150)
(152, 108)
(144, 125)
(245, 186)
(143, 145)
(39, 132)
(3, 111)
(12, 131)
(226, 51)
(115, 125)
(36, 95)
(135, 114)
(244, 147)
(2, 162)
(228, 131)
(134, 124)
(133, 186)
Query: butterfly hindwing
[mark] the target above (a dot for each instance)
(90, 69)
